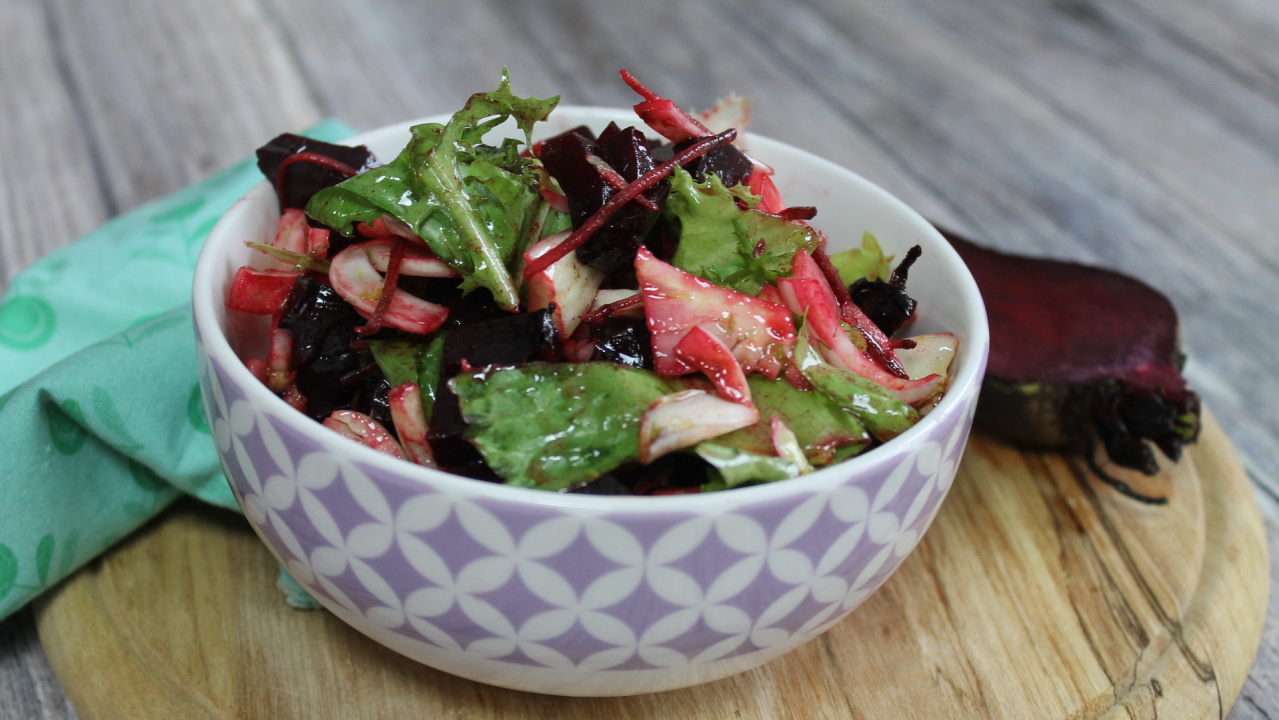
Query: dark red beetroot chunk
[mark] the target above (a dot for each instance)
(730, 164)
(566, 158)
(625, 341)
(507, 340)
(304, 179)
(885, 302)
(1081, 354)
(328, 370)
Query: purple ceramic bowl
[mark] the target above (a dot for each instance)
(577, 594)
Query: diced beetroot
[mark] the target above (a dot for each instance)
(329, 372)
(729, 163)
(301, 180)
(590, 173)
(759, 333)
(885, 302)
(702, 349)
(622, 198)
(509, 339)
(260, 292)
(621, 340)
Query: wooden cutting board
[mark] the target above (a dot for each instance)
(1038, 593)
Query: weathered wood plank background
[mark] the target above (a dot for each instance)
(1139, 134)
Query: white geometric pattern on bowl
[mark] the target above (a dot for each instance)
(536, 594)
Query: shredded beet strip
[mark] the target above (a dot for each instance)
(898, 279)
(615, 179)
(638, 86)
(832, 275)
(311, 157)
(602, 312)
(388, 289)
(877, 344)
(615, 203)
(799, 212)
(651, 96)
(358, 374)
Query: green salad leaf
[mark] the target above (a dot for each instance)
(742, 250)
(556, 425)
(413, 361)
(472, 203)
(883, 415)
(821, 426)
(868, 261)
(735, 466)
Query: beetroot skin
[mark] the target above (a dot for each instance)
(1081, 355)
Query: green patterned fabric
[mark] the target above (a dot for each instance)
(100, 412)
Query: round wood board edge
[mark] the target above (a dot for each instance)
(111, 668)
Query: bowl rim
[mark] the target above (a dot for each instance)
(964, 384)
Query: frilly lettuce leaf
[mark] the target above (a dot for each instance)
(868, 261)
(472, 203)
(742, 250)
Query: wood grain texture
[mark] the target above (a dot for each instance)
(1138, 133)
(38, 110)
(1038, 593)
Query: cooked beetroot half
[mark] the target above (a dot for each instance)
(1081, 355)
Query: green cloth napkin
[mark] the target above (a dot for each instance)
(100, 412)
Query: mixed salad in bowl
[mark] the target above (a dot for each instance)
(633, 311)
